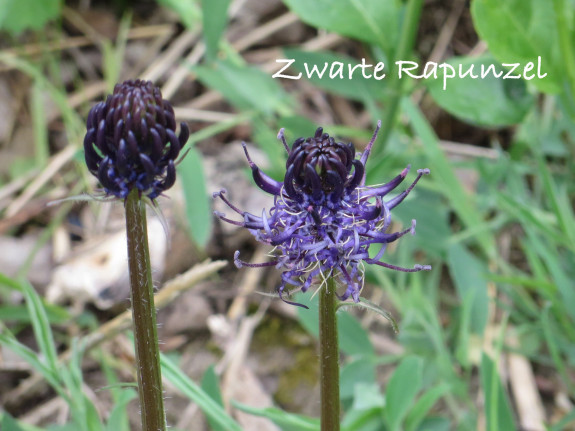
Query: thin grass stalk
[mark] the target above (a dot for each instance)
(404, 49)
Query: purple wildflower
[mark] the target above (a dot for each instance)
(131, 141)
(324, 218)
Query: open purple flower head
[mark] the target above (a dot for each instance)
(324, 218)
(131, 141)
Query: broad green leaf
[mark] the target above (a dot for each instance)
(520, 31)
(198, 207)
(468, 272)
(373, 21)
(244, 86)
(367, 396)
(331, 72)
(497, 409)
(19, 15)
(215, 18)
(488, 101)
(401, 391)
(361, 370)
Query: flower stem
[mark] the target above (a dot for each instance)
(329, 358)
(144, 316)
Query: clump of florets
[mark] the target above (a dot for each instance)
(131, 141)
(324, 218)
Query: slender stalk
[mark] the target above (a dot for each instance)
(329, 358)
(144, 316)
(395, 85)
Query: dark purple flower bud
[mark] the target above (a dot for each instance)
(131, 141)
(324, 217)
(321, 168)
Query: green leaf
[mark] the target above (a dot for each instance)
(317, 67)
(463, 350)
(198, 205)
(423, 405)
(41, 326)
(361, 370)
(187, 10)
(39, 125)
(468, 274)
(245, 87)
(439, 424)
(10, 282)
(215, 18)
(118, 419)
(373, 21)
(559, 199)
(287, 421)
(367, 396)
(401, 390)
(497, 409)
(194, 392)
(488, 101)
(8, 340)
(296, 126)
(353, 339)
(9, 423)
(444, 178)
(363, 420)
(430, 210)
(520, 31)
(554, 341)
(267, 140)
(19, 15)
(211, 385)
(20, 314)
